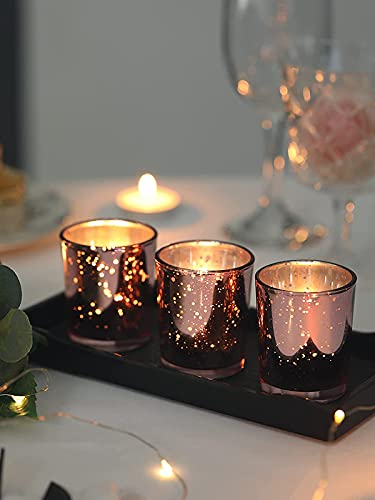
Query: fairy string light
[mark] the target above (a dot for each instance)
(338, 418)
(166, 470)
(10, 382)
(19, 402)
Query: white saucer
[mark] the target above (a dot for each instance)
(45, 211)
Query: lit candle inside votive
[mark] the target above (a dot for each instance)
(203, 296)
(109, 282)
(148, 197)
(305, 311)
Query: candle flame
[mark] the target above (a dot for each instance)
(147, 186)
(148, 197)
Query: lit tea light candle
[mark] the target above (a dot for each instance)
(148, 197)
(203, 293)
(305, 311)
(109, 282)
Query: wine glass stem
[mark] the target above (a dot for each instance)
(343, 218)
(274, 128)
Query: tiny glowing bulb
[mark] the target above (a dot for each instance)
(19, 401)
(319, 494)
(243, 87)
(166, 470)
(147, 186)
(339, 416)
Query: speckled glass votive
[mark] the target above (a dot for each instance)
(109, 282)
(305, 311)
(203, 292)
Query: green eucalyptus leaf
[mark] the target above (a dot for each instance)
(11, 370)
(15, 336)
(24, 386)
(10, 290)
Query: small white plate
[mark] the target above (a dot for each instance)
(45, 211)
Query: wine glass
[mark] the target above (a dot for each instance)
(253, 32)
(330, 89)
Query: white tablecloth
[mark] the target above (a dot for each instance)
(220, 457)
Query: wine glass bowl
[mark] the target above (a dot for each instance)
(330, 97)
(250, 47)
(252, 36)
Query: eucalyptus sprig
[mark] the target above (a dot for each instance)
(15, 344)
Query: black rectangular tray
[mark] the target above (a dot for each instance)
(237, 396)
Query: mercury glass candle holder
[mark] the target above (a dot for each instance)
(305, 312)
(203, 292)
(109, 282)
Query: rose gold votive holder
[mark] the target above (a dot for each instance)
(305, 312)
(203, 292)
(109, 282)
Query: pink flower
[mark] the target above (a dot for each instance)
(336, 124)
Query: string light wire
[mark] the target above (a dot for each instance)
(10, 382)
(338, 418)
(166, 470)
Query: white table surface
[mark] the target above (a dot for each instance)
(219, 457)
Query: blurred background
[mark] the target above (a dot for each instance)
(116, 88)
